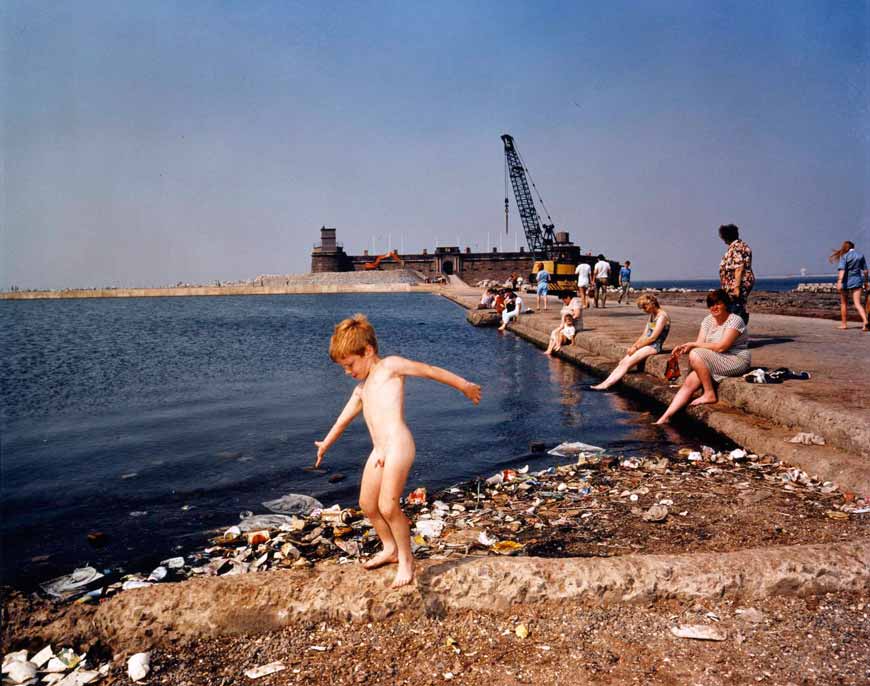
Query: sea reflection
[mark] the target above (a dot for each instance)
(567, 378)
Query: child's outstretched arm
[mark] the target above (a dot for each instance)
(350, 411)
(411, 368)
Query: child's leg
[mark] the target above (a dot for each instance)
(368, 501)
(397, 464)
(552, 341)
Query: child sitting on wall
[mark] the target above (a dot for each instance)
(562, 334)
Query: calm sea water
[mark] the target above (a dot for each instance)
(767, 284)
(155, 420)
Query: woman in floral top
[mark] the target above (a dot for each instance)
(735, 270)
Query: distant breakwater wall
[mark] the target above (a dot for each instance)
(307, 289)
(375, 281)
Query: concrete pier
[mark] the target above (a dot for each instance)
(834, 403)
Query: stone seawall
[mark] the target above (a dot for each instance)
(215, 290)
(272, 286)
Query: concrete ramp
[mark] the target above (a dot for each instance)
(456, 282)
(203, 608)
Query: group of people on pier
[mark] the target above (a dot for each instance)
(594, 280)
(719, 350)
(721, 347)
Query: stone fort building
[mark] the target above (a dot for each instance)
(329, 256)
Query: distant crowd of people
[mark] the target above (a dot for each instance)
(721, 347)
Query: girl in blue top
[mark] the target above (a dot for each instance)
(851, 276)
(650, 342)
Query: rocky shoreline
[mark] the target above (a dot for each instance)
(667, 509)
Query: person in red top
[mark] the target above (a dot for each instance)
(498, 304)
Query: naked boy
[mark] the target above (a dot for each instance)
(380, 397)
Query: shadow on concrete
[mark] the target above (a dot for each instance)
(761, 341)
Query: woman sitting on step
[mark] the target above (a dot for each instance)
(650, 342)
(721, 350)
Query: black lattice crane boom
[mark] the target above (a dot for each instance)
(552, 249)
(540, 238)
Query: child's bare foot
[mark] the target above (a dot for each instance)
(404, 575)
(705, 399)
(599, 387)
(843, 326)
(385, 557)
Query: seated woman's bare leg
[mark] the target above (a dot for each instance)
(624, 365)
(684, 394)
(708, 394)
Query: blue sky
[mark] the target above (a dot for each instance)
(149, 143)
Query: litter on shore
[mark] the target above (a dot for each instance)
(598, 505)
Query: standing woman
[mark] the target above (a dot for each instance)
(851, 276)
(542, 278)
(735, 270)
(721, 350)
(650, 342)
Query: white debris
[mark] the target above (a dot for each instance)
(657, 513)
(269, 522)
(700, 632)
(9, 658)
(20, 671)
(429, 528)
(55, 664)
(293, 504)
(138, 666)
(159, 574)
(71, 585)
(42, 656)
(807, 438)
(486, 540)
(571, 449)
(265, 670)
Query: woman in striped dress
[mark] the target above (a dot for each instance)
(720, 350)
